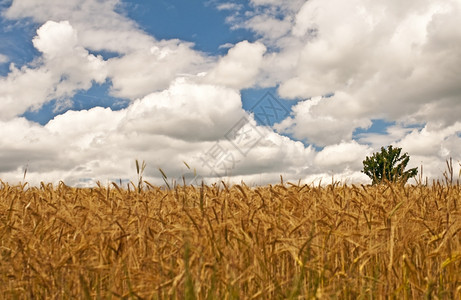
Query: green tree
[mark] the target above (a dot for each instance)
(388, 164)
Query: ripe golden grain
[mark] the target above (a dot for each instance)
(211, 242)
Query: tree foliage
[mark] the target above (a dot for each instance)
(388, 164)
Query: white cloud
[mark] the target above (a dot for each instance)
(3, 58)
(284, 6)
(271, 28)
(164, 128)
(147, 70)
(240, 67)
(226, 46)
(99, 25)
(343, 156)
(344, 177)
(145, 66)
(321, 128)
(441, 142)
(16, 99)
(64, 68)
(56, 39)
(229, 6)
(379, 60)
(186, 111)
(383, 55)
(62, 105)
(270, 20)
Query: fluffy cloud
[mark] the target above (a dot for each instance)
(270, 20)
(240, 67)
(320, 128)
(147, 70)
(383, 55)
(443, 142)
(64, 68)
(56, 39)
(186, 111)
(144, 64)
(270, 27)
(379, 61)
(350, 63)
(99, 24)
(165, 128)
(343, 156)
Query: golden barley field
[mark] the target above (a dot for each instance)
(284, 241)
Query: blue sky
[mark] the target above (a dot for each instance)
(198, 22)
(16, 43)
(178, 75)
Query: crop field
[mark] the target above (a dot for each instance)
(284, 241)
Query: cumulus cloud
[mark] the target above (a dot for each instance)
(66, 65)
(321, 129)
(165, 128)
(16, 134)
(349, 63)
(343, 156)
(240, 67)
(442, 142)
(379, 61)
(186, 111)
(383, 55)
(152, 69)
(144, 64)
(101, 27)
(54, 39)
(270, 27)
(64, 68)
(269, 20)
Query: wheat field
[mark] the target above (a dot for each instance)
(285, 241)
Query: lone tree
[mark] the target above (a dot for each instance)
(388, 165)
